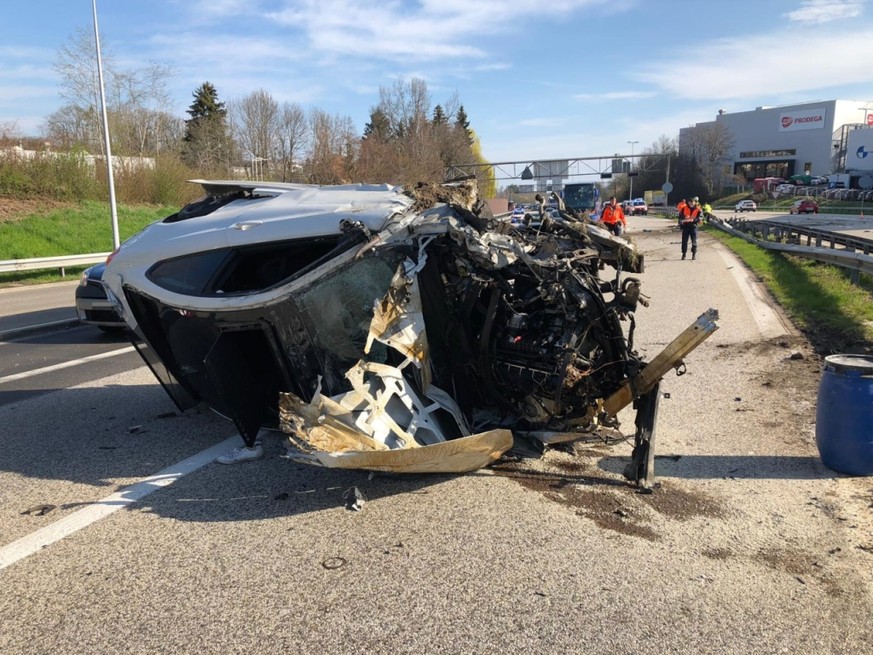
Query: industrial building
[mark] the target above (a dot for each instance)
(812, 138)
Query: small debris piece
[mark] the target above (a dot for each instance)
(799, 579)
(666, 394)
(332, 563)
(796, 355)
(282, 496)
(354, 499)
(621, 513)
(38, 510)
(834, 550)
(133, 429)
(738, 399)
(167, 415)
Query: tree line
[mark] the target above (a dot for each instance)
(408, 139)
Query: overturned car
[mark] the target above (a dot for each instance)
(391, 329)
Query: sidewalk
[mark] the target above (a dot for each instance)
(29, 308)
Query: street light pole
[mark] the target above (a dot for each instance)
(116, 242)
(631, 192)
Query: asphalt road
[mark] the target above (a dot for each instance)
(749, 545)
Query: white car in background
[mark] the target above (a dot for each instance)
(746, 206)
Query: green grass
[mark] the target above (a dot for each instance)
(79, 229)
(820, 299)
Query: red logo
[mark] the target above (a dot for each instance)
(787, 121)
(870, 119)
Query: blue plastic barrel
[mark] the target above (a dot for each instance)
(844, 416)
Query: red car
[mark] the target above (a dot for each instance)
(804, 206)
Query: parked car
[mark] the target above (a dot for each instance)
(628, 207)
(93, 306)
(640, 207)
(746, 206)
(804, 206)
(786, 189)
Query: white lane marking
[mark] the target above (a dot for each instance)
(72, 362)
(84, 517)
(12, 332)
(767, 319)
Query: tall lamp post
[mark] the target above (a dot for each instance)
(631, 192)
(112, 210)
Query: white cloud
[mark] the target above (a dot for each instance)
(825, 11)
(615, 95)
(398, 31)
(764, 65)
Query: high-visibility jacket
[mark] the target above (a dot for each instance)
(612, 215)
(689, 215)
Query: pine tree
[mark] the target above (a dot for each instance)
(205, 107)
(379, 126)
(439, 116)
(208, 146)
(463, 123)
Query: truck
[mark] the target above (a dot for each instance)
(655, 197)
(580, 196)
(767, 184)
(839, 181)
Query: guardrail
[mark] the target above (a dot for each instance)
(61, 262)
(848, 257)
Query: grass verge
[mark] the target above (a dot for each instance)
(80, 228)
(820, 299)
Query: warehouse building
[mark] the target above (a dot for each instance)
(810, 138)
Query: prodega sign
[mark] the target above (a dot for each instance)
(803, 119)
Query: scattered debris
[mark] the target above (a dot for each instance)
(354, 499)
(332, 563)
(796, 355)
(134, 429)
(282, 496)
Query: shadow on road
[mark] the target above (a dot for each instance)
(745, 467)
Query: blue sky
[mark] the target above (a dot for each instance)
(550, 80)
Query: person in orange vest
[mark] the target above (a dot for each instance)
(613, 218)
(689, 219)
(679, 207)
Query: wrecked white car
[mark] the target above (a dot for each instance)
(390, 329)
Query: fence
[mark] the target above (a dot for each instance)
(41, 263)
(854, 253)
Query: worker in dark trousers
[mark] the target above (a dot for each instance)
(689, 219)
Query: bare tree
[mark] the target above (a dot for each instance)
(72, 126)
(711, 146)
(254, 122)
(333, 148)
(291, 137)
(135, 100)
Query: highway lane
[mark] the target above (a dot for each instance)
(50, 360)
(735, 554)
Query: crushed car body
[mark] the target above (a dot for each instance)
(390, 329)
